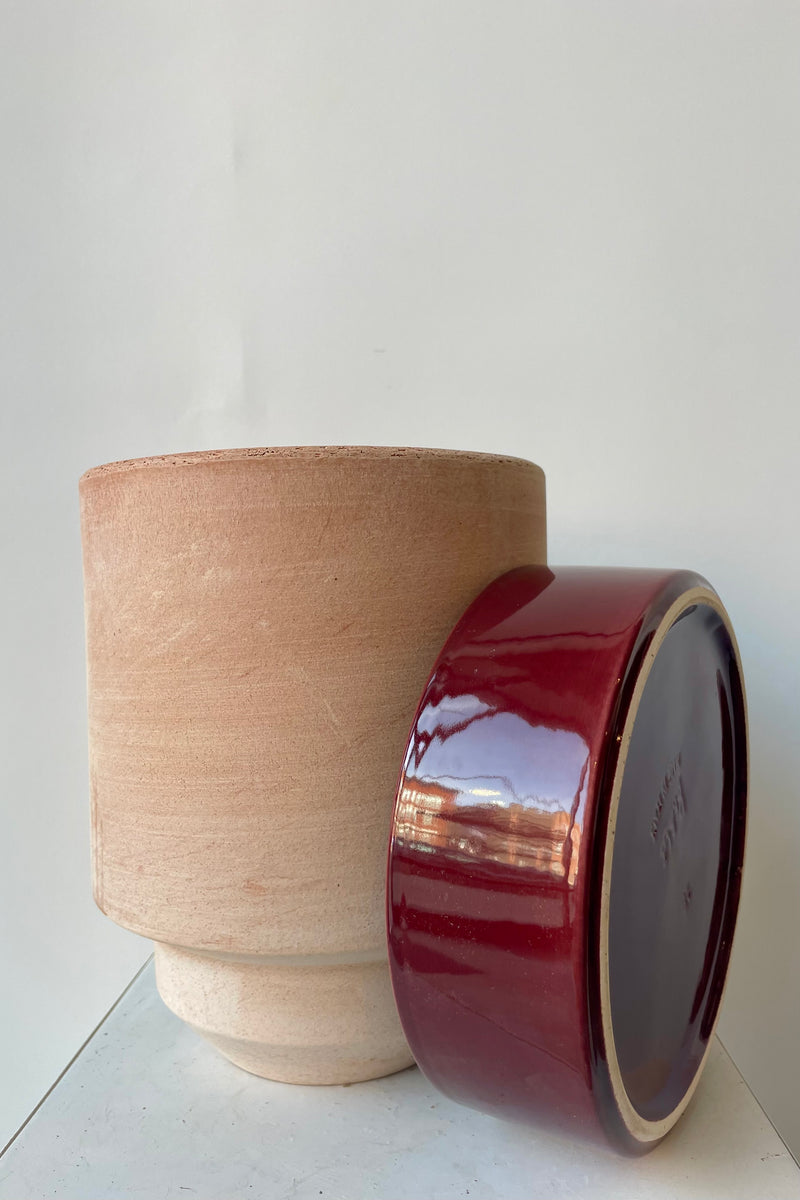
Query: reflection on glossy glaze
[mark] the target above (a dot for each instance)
(495, 874)
(485, 818)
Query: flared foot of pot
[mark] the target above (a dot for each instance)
(308, 1021)
(301, 1064)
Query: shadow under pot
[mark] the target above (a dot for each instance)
(566, 851)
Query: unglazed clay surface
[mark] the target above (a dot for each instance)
(260, 624)
(503, 865)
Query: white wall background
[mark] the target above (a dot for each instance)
(568, 231)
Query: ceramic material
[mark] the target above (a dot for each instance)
(259, 626)
(567, 847)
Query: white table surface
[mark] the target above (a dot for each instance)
(148, 1110)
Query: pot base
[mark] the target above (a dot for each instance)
(266, 1014)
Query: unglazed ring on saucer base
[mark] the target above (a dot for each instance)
(259, 624)
(567, 847)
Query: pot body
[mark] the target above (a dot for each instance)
(260, 624)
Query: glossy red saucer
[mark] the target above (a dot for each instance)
(567, 847)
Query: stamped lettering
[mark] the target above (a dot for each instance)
(669, 811)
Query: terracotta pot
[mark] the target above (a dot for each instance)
(567, 849)
(260, 624)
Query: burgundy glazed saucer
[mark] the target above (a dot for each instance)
(567, 848)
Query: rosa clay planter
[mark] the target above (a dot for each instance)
(567, 847)
(260, 624)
